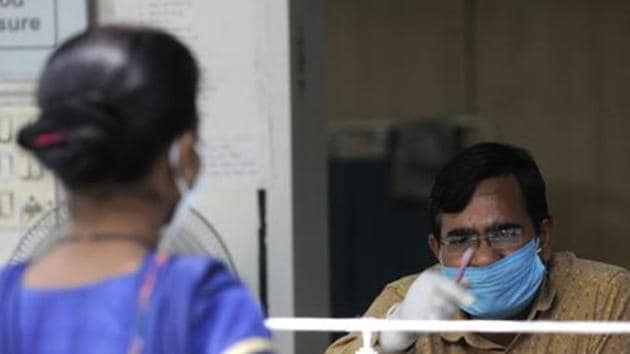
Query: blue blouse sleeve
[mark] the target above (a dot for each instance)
(225, 317)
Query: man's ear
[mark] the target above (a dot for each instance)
(546, 228)
(434, 244)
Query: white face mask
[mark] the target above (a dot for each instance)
(186, 192)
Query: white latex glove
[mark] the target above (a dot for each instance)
(432, 296)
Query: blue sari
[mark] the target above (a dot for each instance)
(197, 306)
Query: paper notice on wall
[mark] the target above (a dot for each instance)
(229, 41)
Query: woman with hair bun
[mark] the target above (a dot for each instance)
(117, 126)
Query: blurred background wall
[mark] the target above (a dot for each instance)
(551, 76)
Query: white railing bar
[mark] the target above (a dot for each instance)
(432, 326)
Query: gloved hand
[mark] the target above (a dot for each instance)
(432, 296)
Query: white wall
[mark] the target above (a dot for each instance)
(280, 194)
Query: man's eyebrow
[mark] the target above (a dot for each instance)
(503, 226)
(462, 231)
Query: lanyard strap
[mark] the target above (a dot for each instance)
(147, 288)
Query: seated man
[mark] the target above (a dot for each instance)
(488, 209)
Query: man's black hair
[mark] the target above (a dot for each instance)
(456, 182)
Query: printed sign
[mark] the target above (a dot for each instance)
(27, 24)
(30, 29)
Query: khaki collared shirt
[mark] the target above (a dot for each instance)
(574, 289)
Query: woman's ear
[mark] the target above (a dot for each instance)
(544, 245)
(189, 160)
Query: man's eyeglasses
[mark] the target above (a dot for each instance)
(500, 239)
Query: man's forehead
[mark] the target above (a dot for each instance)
(496, 200)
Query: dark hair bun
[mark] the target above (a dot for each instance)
(112, 99)
(75, 141)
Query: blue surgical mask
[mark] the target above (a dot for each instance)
(506, 287)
